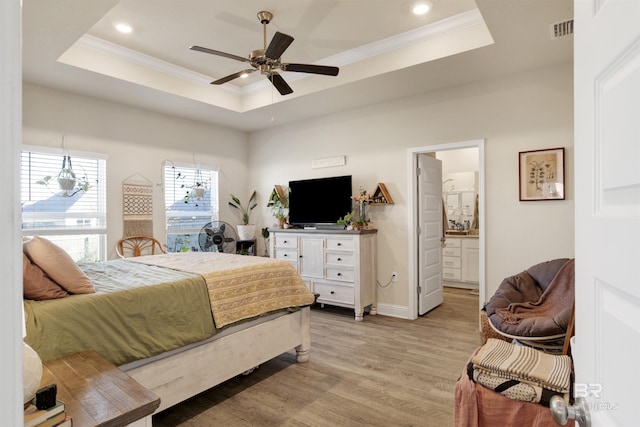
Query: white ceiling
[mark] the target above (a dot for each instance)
(383, 51)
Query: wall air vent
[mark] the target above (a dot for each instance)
(561, 29)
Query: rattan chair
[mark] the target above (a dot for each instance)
(132, 246)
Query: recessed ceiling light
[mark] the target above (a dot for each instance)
(244, 75)
(421, 8)
(123, 27)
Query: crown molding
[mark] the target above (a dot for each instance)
(418, 35)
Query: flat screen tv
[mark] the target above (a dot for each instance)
(319, 201)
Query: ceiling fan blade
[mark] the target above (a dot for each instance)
(218, 53)
(280, 84)
(279, 43)
(232, 76)
(312, 69)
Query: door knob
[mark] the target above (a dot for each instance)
(561, 412)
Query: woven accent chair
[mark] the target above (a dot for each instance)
(133, 246)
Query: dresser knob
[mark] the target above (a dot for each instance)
(339, 274)
(332, 292)
(339, 244)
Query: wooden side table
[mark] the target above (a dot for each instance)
(96, 393)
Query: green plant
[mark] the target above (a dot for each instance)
(197, 189)
(279, 202)
(350, 221)
(265, 236)
(76, 183)
(245, 211)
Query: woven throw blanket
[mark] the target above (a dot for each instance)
(513, 389)
(240, 287)
(502, 359)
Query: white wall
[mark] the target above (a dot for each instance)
(522, 112)
(136, 141)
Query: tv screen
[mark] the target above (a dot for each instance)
(320, 200)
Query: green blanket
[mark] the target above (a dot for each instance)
(126, 319)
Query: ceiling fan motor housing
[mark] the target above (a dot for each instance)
(265, 17)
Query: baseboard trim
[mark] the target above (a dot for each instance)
(393, 310)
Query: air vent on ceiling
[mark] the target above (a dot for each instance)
(561, 29)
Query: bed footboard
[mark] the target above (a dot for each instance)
(183, 375)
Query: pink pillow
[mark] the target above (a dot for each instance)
(58, 265)
(36, 285)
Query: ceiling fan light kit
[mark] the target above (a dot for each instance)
(267, 60)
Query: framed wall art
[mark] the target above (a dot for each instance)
(542, 174)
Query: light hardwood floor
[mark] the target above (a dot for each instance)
(380, 372)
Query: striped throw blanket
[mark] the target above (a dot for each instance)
(521, 373)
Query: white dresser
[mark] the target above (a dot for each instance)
(460, 262)
(339, 265)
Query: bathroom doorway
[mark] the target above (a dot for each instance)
(414, 261)
(460, 248)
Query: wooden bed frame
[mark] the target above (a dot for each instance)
(185, 374)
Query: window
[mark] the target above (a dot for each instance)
(191, 201)
(74, 219)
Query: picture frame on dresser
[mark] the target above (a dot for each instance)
(541, 174)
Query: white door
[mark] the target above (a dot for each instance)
(607, 208)
(429, 244)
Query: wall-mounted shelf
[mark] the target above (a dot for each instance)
(381, 196)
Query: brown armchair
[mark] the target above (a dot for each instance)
(132, 246)
(535, 306)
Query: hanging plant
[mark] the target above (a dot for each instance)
(196, 190)
(67, 180)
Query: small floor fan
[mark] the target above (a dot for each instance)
(218, 236)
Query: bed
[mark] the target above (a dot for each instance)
(178, 323)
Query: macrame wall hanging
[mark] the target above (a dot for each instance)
(137, 206)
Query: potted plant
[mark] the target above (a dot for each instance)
(246, 231)
(265, 236)
(352, 222)
(197, 189)
(279, 204)
(68, 181)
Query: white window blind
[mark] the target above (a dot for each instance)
(67, 217)
(187, 212)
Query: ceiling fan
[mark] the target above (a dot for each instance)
(267, 60)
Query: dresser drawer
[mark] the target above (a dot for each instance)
(449, 262)
(451, 273)
(343, 244)
(287, 254)
(341, 274)
(447, 251)
(339, 258)
(334, 293)
(286, 241)
(452, 243)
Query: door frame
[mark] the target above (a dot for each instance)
(412, 206)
